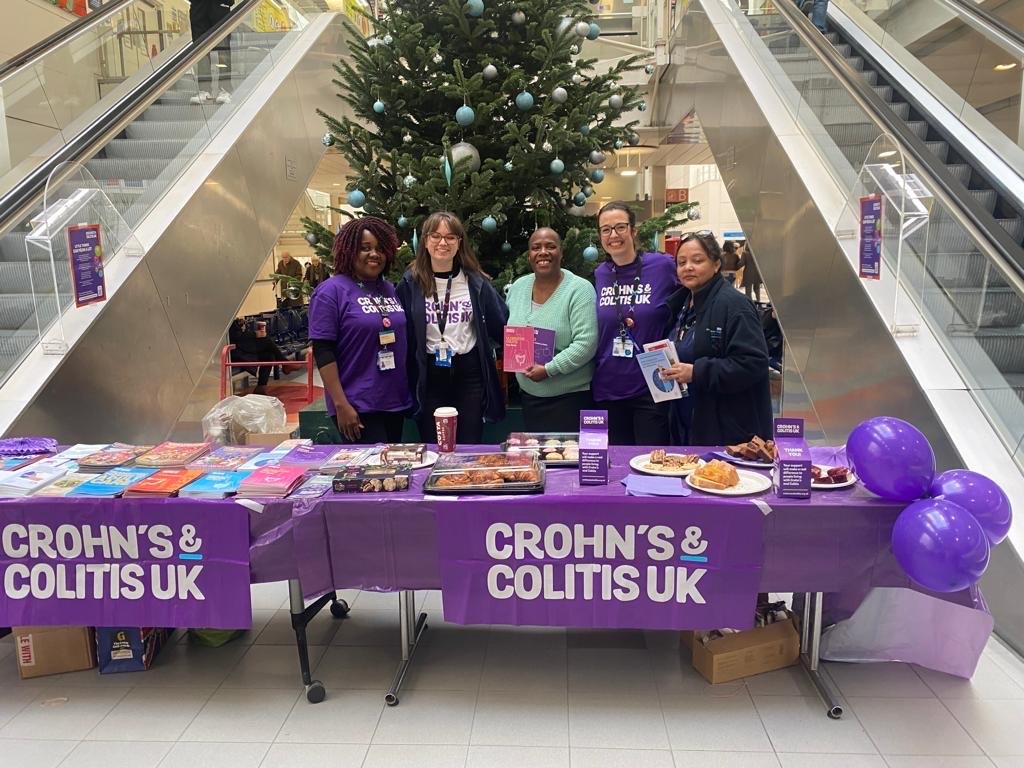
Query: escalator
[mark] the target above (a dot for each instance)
(199, 191)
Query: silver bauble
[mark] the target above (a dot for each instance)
(407, 139)
(328, 140)
(518, 18)
(311, 238)
(577, 210)
(582, 28)
(633, 140)
(409, 181)
(615, 101)
(559, 95)
(494, 35)
(546, 146)
(438, 58)
(693, 214)
(574, 49)
(577, 78)
(490, 72)
(597, 157)
(464, 150)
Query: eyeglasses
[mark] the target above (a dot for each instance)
(698, 233)
(448, 239)
(619, 229)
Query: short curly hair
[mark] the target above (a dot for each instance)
(346, 243)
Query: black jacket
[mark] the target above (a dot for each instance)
(730, 370)
(489, 316)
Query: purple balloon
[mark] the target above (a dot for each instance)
(980, 496)
(892, 458)
(940, 545)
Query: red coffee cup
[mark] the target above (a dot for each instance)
(446, 421)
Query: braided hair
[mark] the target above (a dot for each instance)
(348, 239)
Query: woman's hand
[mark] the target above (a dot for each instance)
(536, 373)
(348, 422)
(681, 372)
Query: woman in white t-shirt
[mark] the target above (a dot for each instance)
(457, 321)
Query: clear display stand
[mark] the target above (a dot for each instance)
(76, 200)
(905, 210)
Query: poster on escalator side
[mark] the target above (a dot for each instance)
(86, 254)
(871, 237)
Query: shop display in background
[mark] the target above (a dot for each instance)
(271, 17)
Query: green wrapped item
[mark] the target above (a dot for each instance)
(213, 638)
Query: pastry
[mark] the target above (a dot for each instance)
(715, 475)
(662, 461)
(571, 454)
(554, 456)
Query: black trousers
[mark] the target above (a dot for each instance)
(637, 421)
(560, 413)
(460, 387)
(204, 15)
(258, 348)
(379, 427)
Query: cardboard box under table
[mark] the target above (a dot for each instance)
(53, 650)
(744, 654)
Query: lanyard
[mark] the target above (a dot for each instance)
(442, 316)
(687, 319)
(626, 321)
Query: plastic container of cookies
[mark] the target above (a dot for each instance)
(361, 479)
(486, 473)
(555, 449)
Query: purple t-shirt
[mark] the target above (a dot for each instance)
(351, 316)
(619, 378)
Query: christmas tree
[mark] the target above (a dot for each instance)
(483, 108)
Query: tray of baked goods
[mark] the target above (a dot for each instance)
(555, 449)
(476, 473)
(754, 453)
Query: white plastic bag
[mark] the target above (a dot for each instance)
(230, 420)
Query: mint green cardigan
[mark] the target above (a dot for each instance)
(571, 313)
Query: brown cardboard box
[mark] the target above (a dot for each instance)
(743, 654)
(267, 438)
(51, 650)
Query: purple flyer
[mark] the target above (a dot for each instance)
(871, 237)
(86, 254)
(791, 475)
(543, 346)
(593, 447)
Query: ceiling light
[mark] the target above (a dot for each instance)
(336, 184)
(887, 153)
(1005, 67)
(628, 172)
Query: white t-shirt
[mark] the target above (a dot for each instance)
(459, 331)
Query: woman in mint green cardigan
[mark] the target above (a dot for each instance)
(555, 299)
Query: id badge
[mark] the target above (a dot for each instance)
(443, 356)
(386, 336)
(385, 360)
(627, 348)
(622, 347)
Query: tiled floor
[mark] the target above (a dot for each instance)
(488, 698)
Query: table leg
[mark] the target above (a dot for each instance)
(809, 653)
(301, 616)
(412, 629)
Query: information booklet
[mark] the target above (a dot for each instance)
(526, 346)
(166, 482)
(114, 455)
(24, 482)
(272, 481)
(64, 485)
(313, 488)
(14, 463)
(168, 455)
(226, 458)
(113, 482)
(651, 364)
(265, 459)
(308, 456)
(214, 485)
(347, 457)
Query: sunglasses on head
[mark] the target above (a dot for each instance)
(698, 233)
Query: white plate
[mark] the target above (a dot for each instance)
(750, 483)
(429, 457)
(639, 463)
(851, 480)
(740, 462)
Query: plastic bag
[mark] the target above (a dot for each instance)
(214, 638)
(230, 420)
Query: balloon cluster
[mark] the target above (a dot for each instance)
(943, 539)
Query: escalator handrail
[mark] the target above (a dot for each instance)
(35, 52)
(994, 241)
(16, 202)
(989, 24)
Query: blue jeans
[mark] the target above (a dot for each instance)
(819, 11)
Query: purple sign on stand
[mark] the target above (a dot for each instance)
(871, 237)
(593, 461)
(124, 563)
(86, 254)
(656, 566)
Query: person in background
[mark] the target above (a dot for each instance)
(751, 276)
(316, 272)
(360, 337)
(730, 262)
(204, 15)
(721, 349)
(773, 339)
(632, 289)
(288, 267)
(819, 15)
(553, 298)
(456, 320)
(254, 345)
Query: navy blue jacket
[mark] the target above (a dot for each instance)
(730, 369)
(489, 317)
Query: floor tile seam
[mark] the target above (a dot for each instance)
(203, 706)
(848, 712)
(67, 757)
(885, 758)
(24, 706)
(263, 756)
(1006, 666)
(105, 714)
(760, 719)
(963, 726)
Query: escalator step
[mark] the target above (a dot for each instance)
(870, 76)
(919, 127)
(938, 148)
(128, 169)
(143, 149)
(164, 129)
(986, 197)
(961, 172)
(884, 91)
(844, 50)
(901, 110)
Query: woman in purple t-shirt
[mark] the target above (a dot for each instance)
(360, 343)
(632, 289)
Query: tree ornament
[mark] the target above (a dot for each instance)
(518, 18)
(577, 78)
(590, 253)
(559, 95)
(524, 101)
(577, 210)
(634, 139)
(649, 69)
(438, 58)
(593, 32)
(615, 101)
(378, 107)
(619, 144)
(373, 42)
(585, 130)
(328, 140)
(407, 139)
(506, 247)
(489, 224)
(582, 28)
(597, 175)
(447, 168)
(509, 166)
(588, 190)
(415, 241)
(574, 49)
(409, 181)
(311, 238)
(474, 8)
(464, 150)
(564, 23)
(402, 221)
(596, 157)
(465, 115)
(579, 198)
(642, 106)
(357, 198)
(494, 35)
(546, 146)
(388, 39)
(490, 72)
(557, 166)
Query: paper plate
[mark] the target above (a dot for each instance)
(750, 483)
(429, 457)
(741, 462)
(639, 463)
(851, 480)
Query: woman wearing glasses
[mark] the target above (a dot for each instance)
(632, 290)
(456, 319)
(721, 350)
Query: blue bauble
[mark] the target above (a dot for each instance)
(579, 198)
(590, 253)
(489, 224)
(619, 144)
(597, 175)
(465, 115)
(506, 247)
(585, 129)
(594, 33)
(378, 107)
(357, 198)
(474, 8)
(649, 69)
(402, 221)
(588, 190)
(557, 166)
(524, 101)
